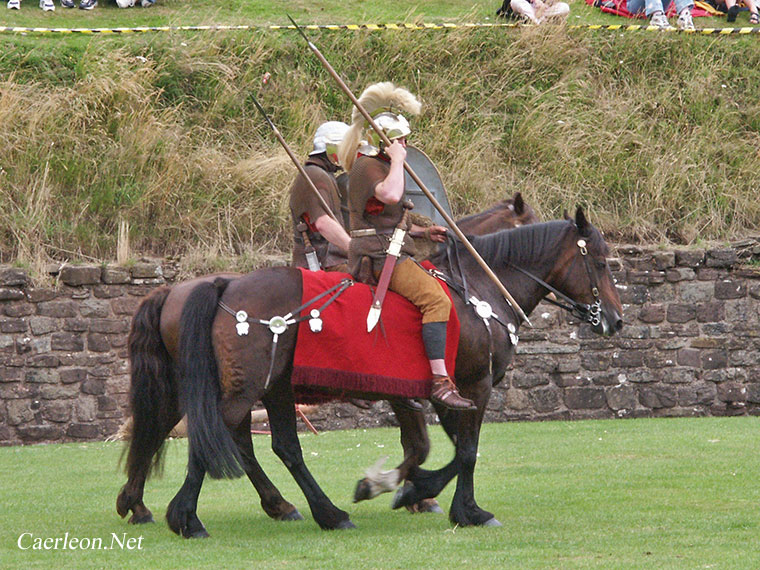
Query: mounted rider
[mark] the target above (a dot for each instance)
(318, 237)
(377, 209)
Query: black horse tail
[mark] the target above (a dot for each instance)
(152, 395)
(210, 441)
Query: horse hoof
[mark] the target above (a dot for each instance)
(403, 496)
(363, 491)
(144, 519)
(492, 522)
(293, 515)
(202, 533)
(345, 525)
(430, 506)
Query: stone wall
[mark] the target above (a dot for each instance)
(690, 346)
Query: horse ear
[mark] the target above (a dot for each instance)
(584, 228)
(519, 204)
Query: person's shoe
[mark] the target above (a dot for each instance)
(125, 3)
(68, 4)
(147, 3)
(733, 11)
(445, 393)
(659, 21)
(14, 5)
(685, 22)
(88, 4)
(409, 404)
(47, 5)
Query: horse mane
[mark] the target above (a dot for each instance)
(521, 245)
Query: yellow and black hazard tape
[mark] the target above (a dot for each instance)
(145, 29)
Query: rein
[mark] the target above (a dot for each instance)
(584, 311)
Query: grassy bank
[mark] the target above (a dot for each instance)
(656, 134)
(667, 493)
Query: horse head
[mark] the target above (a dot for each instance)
(583, 274)
(524, 214)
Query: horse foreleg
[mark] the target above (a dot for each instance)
(271, 499)
(181, 514)
(282, 420)
(464, 509)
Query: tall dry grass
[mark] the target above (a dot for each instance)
(657, 136)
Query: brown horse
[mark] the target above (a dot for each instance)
(155, 388)
(566, 257)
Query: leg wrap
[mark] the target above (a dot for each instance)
(434, 339)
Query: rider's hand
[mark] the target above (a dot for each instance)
(436, 233)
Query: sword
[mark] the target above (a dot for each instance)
(311, 256)
(392, 255)
(294, 158)
(413, 175)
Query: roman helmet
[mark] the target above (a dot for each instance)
(388, 106)
(327, 138)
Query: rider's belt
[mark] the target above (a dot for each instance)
(369, 232)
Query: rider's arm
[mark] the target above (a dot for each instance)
(391, 189)
(333, 232)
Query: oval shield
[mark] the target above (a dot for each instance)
(428, 173)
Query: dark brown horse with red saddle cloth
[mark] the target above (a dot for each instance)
(224, 370)
(154, 392)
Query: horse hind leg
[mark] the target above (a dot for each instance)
(271, 500)
(181, 515)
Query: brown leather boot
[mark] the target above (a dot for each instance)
(445, 393)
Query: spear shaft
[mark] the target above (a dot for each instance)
(414, 177)
(295, 160)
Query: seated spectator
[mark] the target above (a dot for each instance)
(536, 11)
(732, 9)
(655, 11)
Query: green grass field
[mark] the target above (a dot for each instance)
(666, 493)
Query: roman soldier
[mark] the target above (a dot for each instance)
(377, 210)
(320, 242)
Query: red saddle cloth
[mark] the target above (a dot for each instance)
(344, 358)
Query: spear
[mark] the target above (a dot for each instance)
(294, 158)
(414, 176)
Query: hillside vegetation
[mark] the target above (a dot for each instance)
(657, 135)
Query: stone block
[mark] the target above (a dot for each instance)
(86, 409)
(94, 386)
(43, 361)
(696, 394)
(665, 293)
(628, 359)
(633, 294)
(676, 274)
(664, 260)
(128, 306)
(10, 294)
(97, 342)
(77, 275)
(696, 292)
(106, 404)
(73, 375)
(730, 289)
(710, 312)
(19, 309)
(56, 411)
(13, 326)
(585, 397)
(41, 376)
(517, 399)
(622, 397)
(7, 343)
(595, 361)
(58, 309)
(115, 275)
(656, 359)
(108, 291)
(723, 258)
(67, 341)
(58, 392)
(36, 433)
(709, 274)
(43, 325)
(654, 313)
(19, 412)
(714, 359)
(13, 277)
(146, 270)
(546, 399)
(681, 313)
(731, 392)
(658, 396)
(96, 308)
(33, 345)
(109, 326)
(84, 431)
(690, 258)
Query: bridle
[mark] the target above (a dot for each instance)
(588, 313)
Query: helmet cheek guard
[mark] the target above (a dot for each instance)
(394, 126)
(328, 137)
